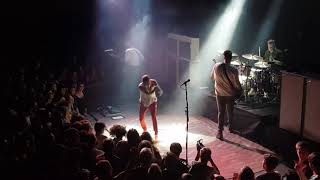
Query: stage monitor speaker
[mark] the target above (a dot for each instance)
(312, 110)
(291, 102)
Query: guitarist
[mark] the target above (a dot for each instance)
(227, 88)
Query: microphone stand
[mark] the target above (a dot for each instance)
(187, 115)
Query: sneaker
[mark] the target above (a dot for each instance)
(219, 135)
(232, 131)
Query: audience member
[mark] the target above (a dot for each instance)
(200, 170)
(246, 173)
(269, 164)
(103, 170)
(314, 163)
(303, 150)
(99, 128)
(118, 132)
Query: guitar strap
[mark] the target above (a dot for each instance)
(225, 73)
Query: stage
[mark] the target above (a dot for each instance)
(230, 155)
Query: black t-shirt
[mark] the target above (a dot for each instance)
(201, 171)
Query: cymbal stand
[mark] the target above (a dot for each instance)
(246, 84)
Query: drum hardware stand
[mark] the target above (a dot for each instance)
(246, 85)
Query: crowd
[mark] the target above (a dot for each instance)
(46, 136)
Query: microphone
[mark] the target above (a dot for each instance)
(184, 83)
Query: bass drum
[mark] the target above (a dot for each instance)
(244, 73)
(262, 79)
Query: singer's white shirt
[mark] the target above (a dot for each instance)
(147, 99)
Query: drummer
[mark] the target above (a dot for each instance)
(273, 55)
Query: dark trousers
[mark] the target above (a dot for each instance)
(225, 103)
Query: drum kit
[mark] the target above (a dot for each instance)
(259, 79)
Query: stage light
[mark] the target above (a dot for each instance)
(136, 37)
(219, 38)
(268, 24)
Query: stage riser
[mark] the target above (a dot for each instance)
(244, 120)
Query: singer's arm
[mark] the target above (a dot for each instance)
(145, 90)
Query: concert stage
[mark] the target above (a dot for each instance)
(230, 155)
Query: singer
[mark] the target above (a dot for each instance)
(148, 100)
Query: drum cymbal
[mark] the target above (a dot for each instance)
(252, 57)
(236, 62)
(258, 58)
(248, 56)
(262, 64)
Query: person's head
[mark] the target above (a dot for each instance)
(50, 95)
(270, 162)
(86, 126)
(83, 174)
(80, 87)
(143, 144)
(246, 173)
(176, 148)
(205, 154)
(104, 169)
(146, 136)
(154, 171)
(54, 87)
(145, 157)
(70, 100)
(303, 149)
(227, 56)
(145, 79)
(118, 131)
(71, 137)
(108, 146)
(133, 137)
(314, 162)
(77, 125)
(99, 128)
(186, 176)
(271, 45)
(63, 90)
(218, 177)
(72, 91)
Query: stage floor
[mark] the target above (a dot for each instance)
(230, 155)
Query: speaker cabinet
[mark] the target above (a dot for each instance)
(311, 128)
(291, 102)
